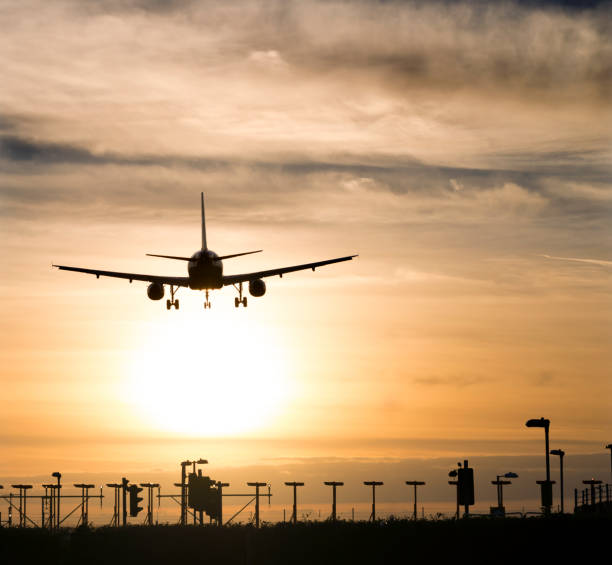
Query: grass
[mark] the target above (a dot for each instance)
(477, 540)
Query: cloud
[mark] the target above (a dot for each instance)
(458, 381)
(600, 262)
(451, 127)
(502, 47)
(15, 148)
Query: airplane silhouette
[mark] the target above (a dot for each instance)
(205, 269)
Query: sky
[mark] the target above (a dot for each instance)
(462, 149)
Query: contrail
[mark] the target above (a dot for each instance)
(593, 261)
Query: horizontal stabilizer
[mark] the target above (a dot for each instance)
(240, 254)
(169, 257)
(247, 277)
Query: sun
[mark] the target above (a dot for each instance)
(212, 374)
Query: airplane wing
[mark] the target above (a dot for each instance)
(176, 281)
(235, 279)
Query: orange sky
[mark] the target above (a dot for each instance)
(466, 161)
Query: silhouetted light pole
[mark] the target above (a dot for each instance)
(455, 483)
(415, 484)
(117, 502)
(23, 498)
(149, 487)
(84, 502)
(220, 486)
(58, 476)
(294, 485)
(560, 453)
(194, 463)
(546, 486)
(184, 465)
(257, 485)
(124, 486)
(609, 446)
(333, 484)
(373, 484)
(500, 488)
(592, 483)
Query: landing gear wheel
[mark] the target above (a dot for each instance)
(239, 299)
(171, 301)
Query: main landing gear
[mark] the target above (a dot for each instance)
(171, 302)
(239, 300)
(207, 302)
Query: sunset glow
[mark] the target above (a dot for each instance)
(215, 376)
(462, 149)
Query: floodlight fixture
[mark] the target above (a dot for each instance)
(538, 423)
(511, 475)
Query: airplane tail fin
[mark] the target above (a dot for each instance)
(203, 224)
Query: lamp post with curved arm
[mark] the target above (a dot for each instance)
(546, 485)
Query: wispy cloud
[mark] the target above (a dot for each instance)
(600, 262)
(458, 381)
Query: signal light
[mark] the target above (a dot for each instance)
(465, 478)
(203, 495)
(135, 500)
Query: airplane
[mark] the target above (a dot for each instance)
(205, 270)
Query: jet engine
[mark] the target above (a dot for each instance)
(257, 287)
(155, 291)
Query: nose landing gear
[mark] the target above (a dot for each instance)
(207, 302)
(240, 299)
(171, 302)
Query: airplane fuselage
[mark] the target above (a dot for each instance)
(205, 270)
